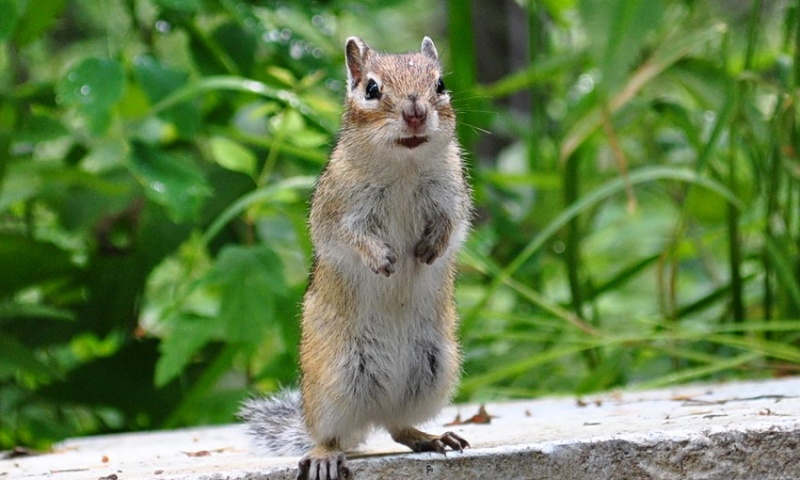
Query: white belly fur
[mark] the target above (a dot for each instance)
(398, 315)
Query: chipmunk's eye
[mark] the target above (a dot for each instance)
(373, 91)
(440, 86)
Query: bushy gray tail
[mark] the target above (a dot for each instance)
(276, 423)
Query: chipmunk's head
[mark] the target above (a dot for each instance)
(400, 100)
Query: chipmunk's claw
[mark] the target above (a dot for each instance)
(329, 466)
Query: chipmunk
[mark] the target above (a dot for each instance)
(388, 215)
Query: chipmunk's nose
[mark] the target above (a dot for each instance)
(414, 114)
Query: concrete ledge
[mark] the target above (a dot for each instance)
(748, 430)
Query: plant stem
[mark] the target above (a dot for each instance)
(619, 156)
(735, 256)
(538, 46)
(771, 190)
(572, 251)
(464, 77)
(274, 148)
(734, 236)
(796, 62)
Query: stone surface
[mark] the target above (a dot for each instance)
(730, 431)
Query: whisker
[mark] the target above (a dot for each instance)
(476, 128)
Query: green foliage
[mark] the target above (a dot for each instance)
(667, 141)
(93, 87)
(154, 188)
(638, 225)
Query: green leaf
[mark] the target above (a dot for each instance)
(126, 385)
(608, 189)
(624, 275)
(709, 83)
(696, 373)
(36, 19)
(35, 311)
(531, 75)
(705, 206)
(170, 180)
(190, 333)
(156, 80)
(664, 56)
(782, 261)
(277, 192)
(239, 84)
(159, 82)
(231, 155)
(18, 359)
(31, 263)
(41, 127)
(93, 85)
(239, 43)
(619, 29)
(8, 20)
(520, 367)
(291, 126)
(681, 117)
(22, 181)
(251, 280)
(558, 9)
(186, 6)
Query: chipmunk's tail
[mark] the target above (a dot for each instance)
(276, 423)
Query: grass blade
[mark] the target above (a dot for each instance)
(611, 188)
(669, 53)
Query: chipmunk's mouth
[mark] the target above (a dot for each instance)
(412, 142)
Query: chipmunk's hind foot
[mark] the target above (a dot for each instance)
(325, 465)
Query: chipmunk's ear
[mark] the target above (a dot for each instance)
(429, 49)
(356, 54)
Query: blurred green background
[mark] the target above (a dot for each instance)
(635, 165)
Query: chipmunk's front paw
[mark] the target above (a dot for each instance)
(432, 244)
(326, 466)
(427, 250)
(382, 260)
